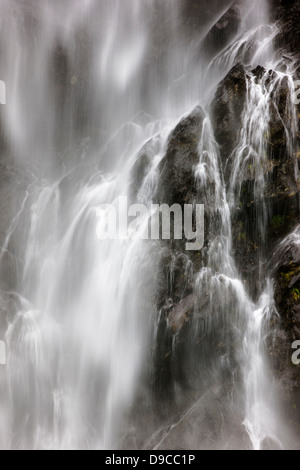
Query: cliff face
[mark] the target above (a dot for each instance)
(279, 201)
(287, 13)
(274, 206)
(286, 263)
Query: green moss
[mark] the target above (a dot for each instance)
(288, 276)
(242, 236)
(295, 294)
(277, 222)
(285, 277)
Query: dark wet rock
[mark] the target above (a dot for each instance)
(287, 13)
(252, 245)
(141, 167)
(177, 185)
(286, 327)
(175, 301)
(259, 72)
(182, 313)
(287, 278)
(278, 203)
(224, 30)
(176, 274)
(227, 110)
(175, 278)
(177, 178)
(227, 113)
(139, 173)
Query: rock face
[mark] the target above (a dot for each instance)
(286, 270)
(286, 261)
(177, 185)
(180, 315)
(288, 14)
(175, 284)
(227, 109)
(275, 206)
(177, 176)
(287, 275)
(278, 200)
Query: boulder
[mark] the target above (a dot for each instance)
(227, 109)
(177, 183)
(181, 313)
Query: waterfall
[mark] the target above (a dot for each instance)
(93, 89)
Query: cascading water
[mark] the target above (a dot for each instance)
(85, 94)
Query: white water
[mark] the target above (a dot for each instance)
(79, 341)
